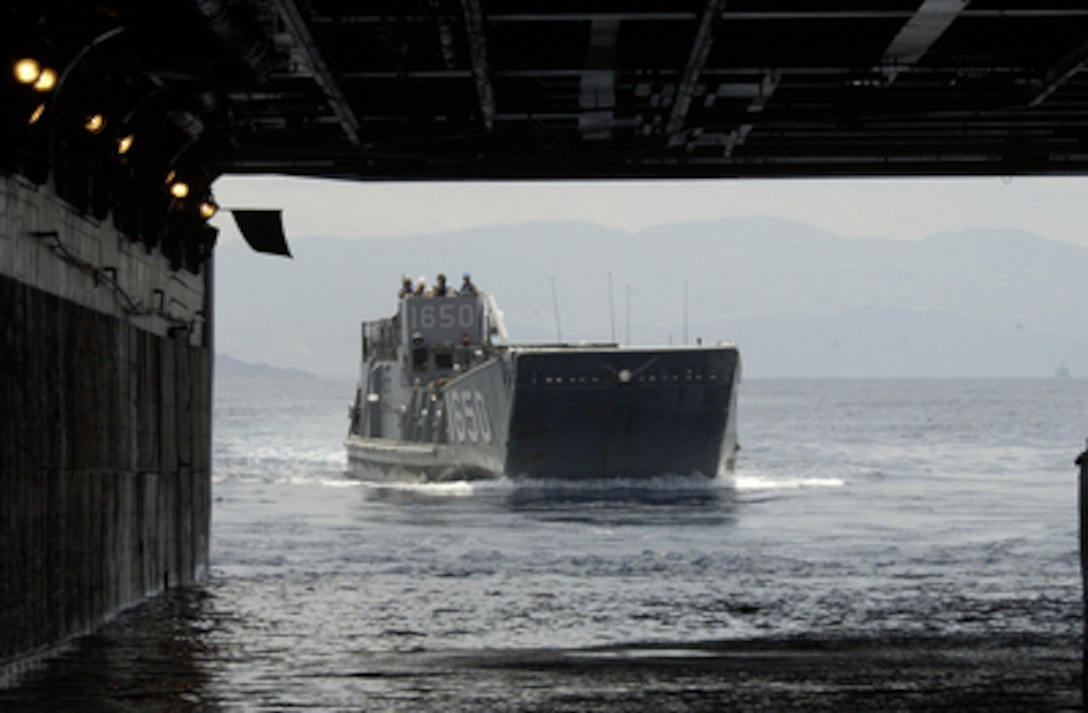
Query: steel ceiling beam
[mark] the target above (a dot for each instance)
(919, 34)
(598, 82)
(700, 50)
(732, 15)
(481, 74)
(305, 45)
(1069, 66)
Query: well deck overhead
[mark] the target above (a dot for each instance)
(465, 89)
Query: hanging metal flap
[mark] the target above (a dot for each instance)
(263, 230)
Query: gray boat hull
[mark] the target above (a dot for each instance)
(574, 417)
(565, 412)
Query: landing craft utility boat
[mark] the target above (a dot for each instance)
(439, 399)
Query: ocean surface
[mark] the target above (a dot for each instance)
(881, 541)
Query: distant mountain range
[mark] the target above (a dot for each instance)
(227, 367)
(798, 301)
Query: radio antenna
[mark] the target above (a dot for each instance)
(555, 306)
(685, 312)
(611, 307)
(628, 333)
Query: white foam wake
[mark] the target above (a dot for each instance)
(748, 483)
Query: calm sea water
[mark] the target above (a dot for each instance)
(861, 511)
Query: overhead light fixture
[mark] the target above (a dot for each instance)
(208, 209)
(36, 114)
(124, 144)
(46, 81)
(27, 70)
(95, 123)
(179, 189)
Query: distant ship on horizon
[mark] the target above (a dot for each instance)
(1062, 372)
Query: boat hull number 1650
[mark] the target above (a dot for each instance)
(443, 315)
(469, 421)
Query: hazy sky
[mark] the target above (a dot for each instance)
(1056, 208)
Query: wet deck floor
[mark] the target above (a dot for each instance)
(163, 656)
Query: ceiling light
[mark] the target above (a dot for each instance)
(125, 143)
(36, 114)
(27, 70)
(179, 189)
(208, 208)
(95, 123)
(47, 80)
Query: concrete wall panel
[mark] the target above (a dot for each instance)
(105, 425)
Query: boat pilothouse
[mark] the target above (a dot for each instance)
(419, 398)
(439, 399)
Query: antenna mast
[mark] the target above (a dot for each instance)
(611, 307)
(555, 306)
(685, 312)
(628, 332)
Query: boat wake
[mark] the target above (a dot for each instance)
(505, 485)
(756, 482)
(529, 494)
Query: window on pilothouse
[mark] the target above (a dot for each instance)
(419, 359)
(419, 353)
(443, 360)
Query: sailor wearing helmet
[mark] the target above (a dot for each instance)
(406, 289)
(421, 287)
(441, 289)
(467, 288)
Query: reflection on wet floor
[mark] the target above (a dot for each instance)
(168, 655)
(154, 657)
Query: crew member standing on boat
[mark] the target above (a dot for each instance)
(421, 287)
(440, 287)
(467, 288)
(405, 287)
